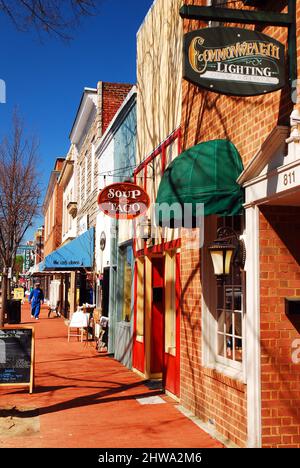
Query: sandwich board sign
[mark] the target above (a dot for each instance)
(17, 357)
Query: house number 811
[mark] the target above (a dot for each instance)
(289, 178)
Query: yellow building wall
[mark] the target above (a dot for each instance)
(159, 75)
(159, 97)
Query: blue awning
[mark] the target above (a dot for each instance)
(79, 253)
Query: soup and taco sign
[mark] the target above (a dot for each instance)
(123, 200)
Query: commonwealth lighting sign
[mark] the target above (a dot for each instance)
(234, 61)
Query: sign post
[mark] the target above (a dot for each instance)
(17, 357)
(230, 15)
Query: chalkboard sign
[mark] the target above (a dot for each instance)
(17, 356)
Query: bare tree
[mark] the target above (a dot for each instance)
(19, 197)
(52, 16)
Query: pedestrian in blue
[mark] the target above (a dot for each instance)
(36, 298)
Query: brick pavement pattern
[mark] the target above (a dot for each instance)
(88, 400)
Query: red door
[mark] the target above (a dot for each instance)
(157, 316)
(172, 361)
(138, 358)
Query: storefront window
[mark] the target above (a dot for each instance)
(126, 313)
(230, 308)
(170, 304)
(140, 301)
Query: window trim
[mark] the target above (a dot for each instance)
(170, 303)
(210, 359)
(140, 300)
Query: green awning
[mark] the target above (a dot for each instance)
(205, 173)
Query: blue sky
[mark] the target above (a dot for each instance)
(45, 79)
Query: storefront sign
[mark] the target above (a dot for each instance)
(234, 61)
(19, 293)
(123, 200)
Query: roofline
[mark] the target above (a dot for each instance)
(85, 91)
(122, 112)
(54, 175)
(68, 163)
(146, 17)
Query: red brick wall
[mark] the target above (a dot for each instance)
(113, 95)
(53, 240)
(58, 215)
(245, 121)
(280, 278)
(208, 394)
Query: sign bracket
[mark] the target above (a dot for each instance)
(268, 18)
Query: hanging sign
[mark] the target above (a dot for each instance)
(123, 200)
(234, 61)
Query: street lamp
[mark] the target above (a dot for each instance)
(225, 249)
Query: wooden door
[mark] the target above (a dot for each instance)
(172, 354)
(157, 317)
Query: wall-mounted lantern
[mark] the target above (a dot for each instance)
(225, 250)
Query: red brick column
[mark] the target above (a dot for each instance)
(280, 278)
(207, 393)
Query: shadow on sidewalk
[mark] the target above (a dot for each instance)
(106, 396)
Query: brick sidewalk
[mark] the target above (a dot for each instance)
(84, 399)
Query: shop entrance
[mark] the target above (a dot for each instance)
(157, 315)
(171, 376)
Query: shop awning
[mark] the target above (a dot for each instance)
(37, 268)
(205, 173)
(79, 253)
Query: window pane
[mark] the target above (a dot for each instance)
(229, 347)
(238, 350)
(229, 323)
(237, 298)
(230, 303)
(221, 321)
(221, 345)
(238, 324)
(140, 300)
(228, 299)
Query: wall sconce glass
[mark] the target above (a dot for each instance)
(145, 228)
(227, 248)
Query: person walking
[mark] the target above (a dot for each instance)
(36, 298)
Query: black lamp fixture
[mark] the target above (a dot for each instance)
(226, 249)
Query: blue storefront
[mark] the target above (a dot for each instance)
(73, 264)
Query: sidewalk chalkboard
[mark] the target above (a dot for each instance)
(17, 356)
